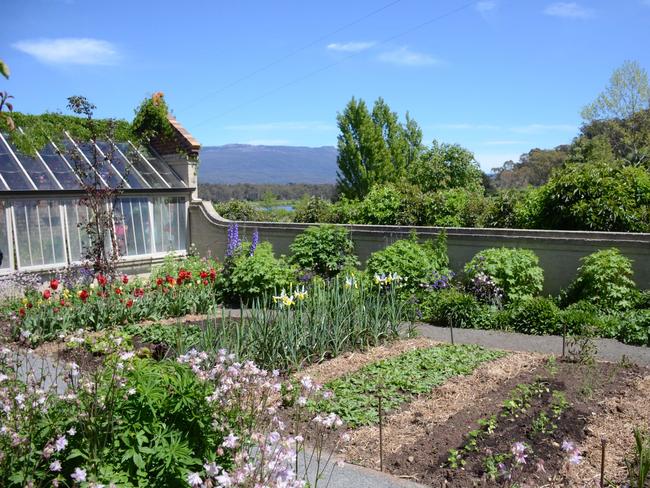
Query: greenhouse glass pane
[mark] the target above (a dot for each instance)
(80, 165)
(122, 165)
(103, 167)
(11, 172)
(60, 168)
(36, 170)
(39, 233)
(169, 224)
(164, 170)
(132, 226)
(5, 253)
(141, 165)
(78, 241)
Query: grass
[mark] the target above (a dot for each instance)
(399, 379)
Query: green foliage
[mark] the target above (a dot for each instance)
(320, 323)
(627, 93)
(398, 379)
(412, 261)
(239, 210)
(584, 318)
(501, 210)
(40, 129)
(599, 195)
(634, 327)
(324, 250)
(313, 210)
(453, 307)
(515, 271)
(151, 119)
(446, 166)
(533, 168)
(455, 207)
(532, 315)
(373, 148)
(164, 429)
(605, 279)
(638, 464)
(253, 276)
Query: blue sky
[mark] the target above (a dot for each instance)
(497, 76)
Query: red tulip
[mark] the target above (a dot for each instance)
(54, 284)
(125, 279)
(47, 294)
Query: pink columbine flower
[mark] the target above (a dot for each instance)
(55, 466)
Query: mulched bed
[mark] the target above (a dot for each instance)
(425, 459)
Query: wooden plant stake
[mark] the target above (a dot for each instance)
(563, 339)
(603, 443)
(381, 433)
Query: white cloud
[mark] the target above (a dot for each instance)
(405, 57)
(569, 10)
(313, 126)
(486, 6)
(82, 51)
(351, 47)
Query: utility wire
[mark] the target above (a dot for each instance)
(287, 56)
(331, 65)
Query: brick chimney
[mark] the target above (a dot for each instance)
(181, 152)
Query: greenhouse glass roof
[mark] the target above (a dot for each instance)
(60, 167)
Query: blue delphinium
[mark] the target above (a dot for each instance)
(233, 240)
(254, 240)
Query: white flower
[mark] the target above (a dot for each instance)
(3, 377)
(125, 356)
(194, 479)
(72, 431)
(79, 475)
(231, 441)
(60, 443)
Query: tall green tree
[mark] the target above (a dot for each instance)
(628, 92)
(374, 147)
(446, 166)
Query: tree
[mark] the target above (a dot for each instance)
(628, 92)
(362, 154)
(374, 148)
(445, 166)
(533, 168)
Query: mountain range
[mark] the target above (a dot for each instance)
(244, 163)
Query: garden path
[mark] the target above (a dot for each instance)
(607, 349)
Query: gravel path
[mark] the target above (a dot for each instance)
(608, 349)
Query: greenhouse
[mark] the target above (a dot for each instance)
(43, 200)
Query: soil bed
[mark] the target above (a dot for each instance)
(426, 458)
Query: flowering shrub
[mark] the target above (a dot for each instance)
(199, 421)
(515, 271)
(46, 315)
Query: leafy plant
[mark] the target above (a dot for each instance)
(532, 315)
(451, 307)
(515, 271)
(412, 261)
(239, 210)
(605, 279)
(639, 465)
(262, 273)
(355, 395)
(324, 250)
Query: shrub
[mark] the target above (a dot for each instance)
(604, 279)
(533, 315)
(247, 277)
(456, 207)
(515, 271)
(238, 210)
(313, 210)
(634, 327)
(584, 317)
(602, 196)
(384, 205)
(324, 250)
(412, 261)
(453, 307)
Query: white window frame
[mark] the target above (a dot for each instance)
(9, 252)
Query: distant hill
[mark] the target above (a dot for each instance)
(243, 163)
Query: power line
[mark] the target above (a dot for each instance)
(331, 65)
(289, 55)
